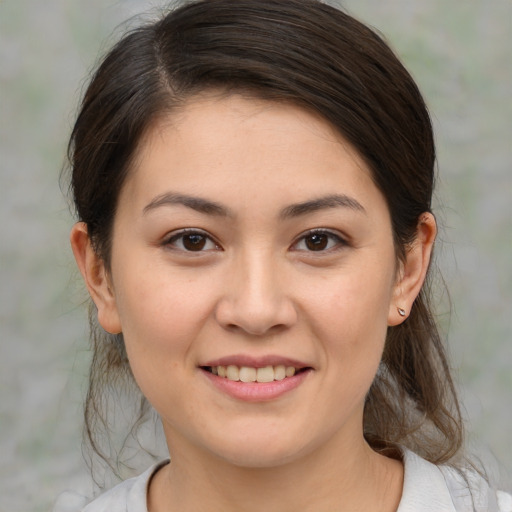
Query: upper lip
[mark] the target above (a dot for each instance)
(256, 362)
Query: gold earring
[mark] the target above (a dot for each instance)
(401, 311)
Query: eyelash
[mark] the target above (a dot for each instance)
(335, 241)
(174, 237)
(338, 241)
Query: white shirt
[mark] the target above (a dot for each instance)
(427, 488)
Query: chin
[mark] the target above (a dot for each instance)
(267, 451)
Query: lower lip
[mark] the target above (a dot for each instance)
(257, 391)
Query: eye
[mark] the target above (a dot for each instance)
(318, 241)
(191, 240)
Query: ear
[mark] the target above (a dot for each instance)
(96, 278)
(412, 272)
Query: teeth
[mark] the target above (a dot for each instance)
(265, 374)
(279, 372)
(232, 372)
(248, 374)
(290, 371)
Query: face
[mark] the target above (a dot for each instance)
(250, 240)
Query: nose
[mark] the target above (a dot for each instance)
(255, 298)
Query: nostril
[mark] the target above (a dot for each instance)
(256, 314)
(257, 330)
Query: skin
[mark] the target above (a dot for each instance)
(257, 290)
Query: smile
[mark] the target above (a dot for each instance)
(250, 374)
(256, 379)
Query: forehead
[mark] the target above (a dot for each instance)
(232, 147)
(223, 117)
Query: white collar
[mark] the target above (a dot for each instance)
(425, 488)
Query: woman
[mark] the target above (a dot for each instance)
(253, 184)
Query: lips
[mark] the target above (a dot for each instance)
(255, 379)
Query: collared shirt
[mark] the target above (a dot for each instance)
(427, 488)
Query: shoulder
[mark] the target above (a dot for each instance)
(128, 496)
(431, 488)
(469, 489)
(132, 491)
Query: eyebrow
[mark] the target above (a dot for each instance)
(330, 201)
(195, 203)
(208, 207)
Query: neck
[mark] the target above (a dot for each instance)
(350, 478)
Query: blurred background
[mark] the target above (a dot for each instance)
(460, 54)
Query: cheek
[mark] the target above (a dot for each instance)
(161, 317)
(160, 311)
(352, 302)
(349, 313)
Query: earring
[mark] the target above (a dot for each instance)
(401, 311)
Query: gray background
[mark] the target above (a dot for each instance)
(461, 55)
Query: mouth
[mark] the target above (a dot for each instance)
(252, 374)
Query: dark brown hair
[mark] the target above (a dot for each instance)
(312, 55)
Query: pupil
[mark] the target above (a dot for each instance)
(194, 242)
(316, 242)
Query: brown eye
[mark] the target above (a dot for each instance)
(194, 242)
(317, 241)
(191, 241)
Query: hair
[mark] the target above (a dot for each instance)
(314, 56)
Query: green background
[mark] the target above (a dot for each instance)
(460, 52)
